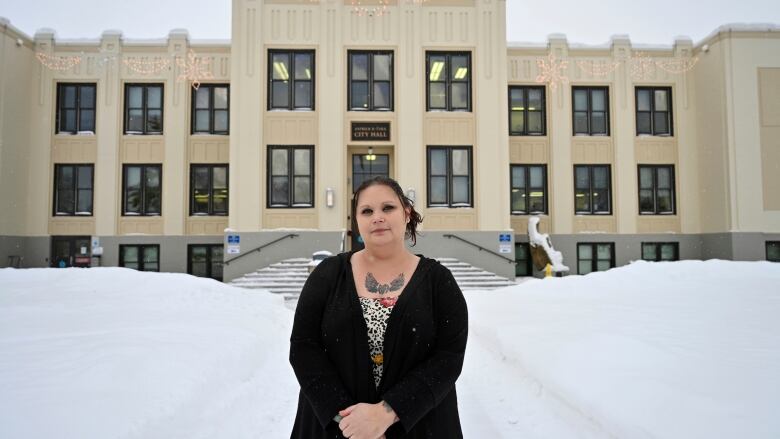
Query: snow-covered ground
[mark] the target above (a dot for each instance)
(651, 350)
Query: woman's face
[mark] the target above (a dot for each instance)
(381, 218)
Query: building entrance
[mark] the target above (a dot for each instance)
(365, 167)
(70, 251)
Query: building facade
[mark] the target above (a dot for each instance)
(221, 157)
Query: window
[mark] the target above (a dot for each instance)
(654, 111)
(290, 176)
(73, 189)
(523, 259)
(291, 80)
(449, 81)
(591, 111)
(209, 190)
(592, 190)
(205, 260)
(211, 109)
(449, 176)
(773, 251)
(142, 189)
(656, 190)
(140, 257)
(143, 109)
(595, 257)
(75, 108)
(370, 81)
(527, 111)
(529, 189)
(660, 251)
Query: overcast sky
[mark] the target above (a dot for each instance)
(593, 22)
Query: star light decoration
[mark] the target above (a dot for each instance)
(641, 66)
(552, 71)
(194, 69)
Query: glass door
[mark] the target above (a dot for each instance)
(70, 251)
(366, 167)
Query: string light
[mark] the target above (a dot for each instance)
(552, 71)
(598, 68)
(641, 66)
(678, 65)
(378, 10)
(59, 63)
(194, 69)
(145, 67)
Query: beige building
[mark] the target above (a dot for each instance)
(218, 158)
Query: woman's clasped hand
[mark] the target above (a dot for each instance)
(366, 421)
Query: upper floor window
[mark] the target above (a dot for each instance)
(143, 108)
(449, 176)
(211, 109)
(291, 80)
(656, 190)
(75, 108)
(144, 257)
(73, 189)
(209, 190)
(529, 189)
(660, 251)
(595, 257)
(591, 111)
(526, 111)
(370, 80)
(448, 81)
(290, 176)
(592, 188)
(142, 190)
(773, 251)
(654, 111)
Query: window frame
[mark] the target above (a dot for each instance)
(145, 108)
(447, 81)
(74, 188)
(144, 167)
(655, 189)
(594, 251)
(141, 248)
(675, 245)
(767, 244)
(449, 175)
(210, 167)
(590, 168)
(209, 256)
(78, 109)
(652, 112)
(292, 80)
(525, 89)
(528, 188)
(290, 175)
(529, 261)
(370, 80)
(590, 111)
(212, 110)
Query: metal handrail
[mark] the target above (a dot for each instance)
(258, 249)
(511, 261)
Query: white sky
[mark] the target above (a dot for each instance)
(646, 22)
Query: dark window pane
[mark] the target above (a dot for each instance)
(360, 67)
(773, 251)
(85, 177)
(661, 102)
(600, 201)
(516, 121)
(84, 203)
(220, 198)
(302, 193)
(70, 120)
(643, 123)
(154, 121)
(202, 121)
(580, 100)
(516, 99)
(460, 162)
(604, 252)
(518, 200)
(664, 201)
(598, 123)
(582, 178)
(535, 102)
(303, 94)
(603, 265)
(135, 121)
(460, 68)
(279, 162)
(154, 97)
(582, 201)
(359, 95)
(581, 123)
(661, 123)
(600, 177)
(87, 122)
(460, 95)
(664, 178)
(221, 122)
(198, 261)
(69, 100)
(135, 97)
(202, 98)
(221, 98)
(280, 94)
(280, 189)
(302, 161)
(303, 68)
(382, 95)
(649, 252)
(460, 190)
(646, 201)
(585, 252)
(668, 252)
(643, 100)
(438, 190)
(130, 257)
(518, 176)
(536, 201)
(382, 67)
(535, 125)
(537, 176)
(87, 98)
(151, 258)
(438, 162)
(584, 267)
(438, 95)
(598, 100)
(281, 67)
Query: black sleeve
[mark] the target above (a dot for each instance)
(316, 374)
(425, 386)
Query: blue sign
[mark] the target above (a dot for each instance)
(504, 237)
(233, 239)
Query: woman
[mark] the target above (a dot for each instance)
(379, 334)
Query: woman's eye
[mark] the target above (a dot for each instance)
(389, 208)
(367, 212)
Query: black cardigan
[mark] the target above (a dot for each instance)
(424, 346)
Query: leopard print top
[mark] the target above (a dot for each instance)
(376, 312)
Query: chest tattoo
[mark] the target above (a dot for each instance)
(373, 286)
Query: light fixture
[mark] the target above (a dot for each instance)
(330, 197)
(370, 156)
(411, 194)
(378, 9)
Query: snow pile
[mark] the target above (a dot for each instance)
(542, 239)
(651, 350)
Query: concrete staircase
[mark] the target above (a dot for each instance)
(287, 278)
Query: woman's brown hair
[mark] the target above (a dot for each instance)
(414, 217)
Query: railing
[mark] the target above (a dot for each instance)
(450, 236)
(258, 249)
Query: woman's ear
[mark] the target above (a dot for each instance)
(408, 214)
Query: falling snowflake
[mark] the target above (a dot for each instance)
(552, 71)
(194, 69)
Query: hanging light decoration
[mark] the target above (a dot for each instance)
(376, 8)
(59, 63)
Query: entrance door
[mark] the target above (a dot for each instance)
(365, 167)
(70, 251)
